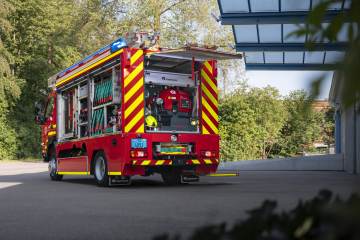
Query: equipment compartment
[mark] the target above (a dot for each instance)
(106, 100)
(171, 94)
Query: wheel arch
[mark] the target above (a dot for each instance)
(50, 148)
(92, 162)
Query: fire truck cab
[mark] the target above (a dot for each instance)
(127, 110)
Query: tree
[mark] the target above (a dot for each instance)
(36, 45)
(9, 84)
(328, 125)
(302, 128)
(248, 116)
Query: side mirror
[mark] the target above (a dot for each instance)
(38, 118)
(37, 108)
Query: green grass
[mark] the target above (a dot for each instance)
(21, 160)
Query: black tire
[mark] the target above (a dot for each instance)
(101, 169)
(171, 175)
(53, 169)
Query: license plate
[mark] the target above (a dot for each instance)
(138, 143)
(172, 150)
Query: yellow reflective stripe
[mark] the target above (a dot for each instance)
(205, 131)
(136, 56)
(138, 116)
(207, 161)
(209, 94)
(147, 162)
(47, 140)
(209, 81)
(73, 173)
(140, 129)
(209, 108)
(223, 175)
(136, 87)
(136, 103)
(52, 133)
(208, 66)
(209, 122)
(45, 147)
(132, 75)
(91, 66)
(114, 173)
(54, 126)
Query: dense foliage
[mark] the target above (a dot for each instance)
(260, 123)
(250, 113)
(319, 218)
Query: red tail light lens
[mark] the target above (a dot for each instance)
(207, 153)
(139, 154)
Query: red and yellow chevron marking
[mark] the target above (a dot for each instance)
(151, 162)
(209, 99)
(134, 93)
(202, 161)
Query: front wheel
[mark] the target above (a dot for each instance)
(171, 175)
(52, 169)
(101, 174)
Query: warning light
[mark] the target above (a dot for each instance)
(207, 153)
(139, 154)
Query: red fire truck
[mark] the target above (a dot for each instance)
(127, 110)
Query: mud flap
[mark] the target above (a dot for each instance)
(119, 180)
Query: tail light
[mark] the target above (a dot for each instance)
(207, 153)
(139, 154)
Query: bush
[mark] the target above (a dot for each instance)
(318, 219)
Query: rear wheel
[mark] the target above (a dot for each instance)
(100, 170)
(171, 175)
(52, 169)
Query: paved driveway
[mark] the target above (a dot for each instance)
(34, 207)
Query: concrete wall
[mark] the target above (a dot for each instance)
(331, 162)
(349, 140)
(350, 126)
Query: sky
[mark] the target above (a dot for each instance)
(286, 81)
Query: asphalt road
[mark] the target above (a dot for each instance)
(34, 207)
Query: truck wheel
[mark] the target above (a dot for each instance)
(171, 175)
(101, 170)
(52, 169)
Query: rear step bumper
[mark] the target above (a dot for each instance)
(176, 162)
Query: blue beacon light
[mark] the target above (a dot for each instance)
(117, 45)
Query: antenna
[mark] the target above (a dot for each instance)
(217, 19)
(232, 47)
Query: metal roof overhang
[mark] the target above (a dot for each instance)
(271, 17)
(261, 31)
(198, 53)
